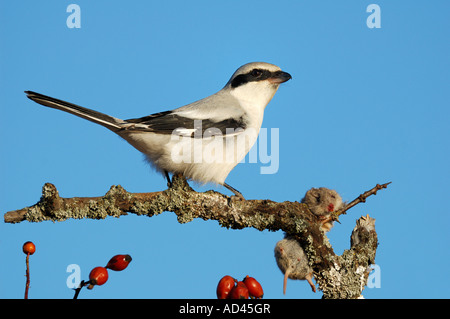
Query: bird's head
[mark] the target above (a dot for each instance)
(256, 83)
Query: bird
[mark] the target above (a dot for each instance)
(322, 202)
(292, 261)
(202, 141)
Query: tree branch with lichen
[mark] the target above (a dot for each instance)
(337, 276)
(181, 199)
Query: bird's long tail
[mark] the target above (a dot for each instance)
(107, 121)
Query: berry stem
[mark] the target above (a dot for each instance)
(77, 290)
(27, 286)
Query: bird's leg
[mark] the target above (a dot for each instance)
(235, 191)
(169, 182)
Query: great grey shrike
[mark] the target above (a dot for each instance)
(204, 140)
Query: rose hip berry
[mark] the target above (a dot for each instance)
(240, 291)
(224, 287)
(254, 287)
(119, 262)
(29, 248)
(98, 276)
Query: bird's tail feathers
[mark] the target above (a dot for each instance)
(107, 121)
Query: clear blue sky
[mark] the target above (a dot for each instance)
(365, 106)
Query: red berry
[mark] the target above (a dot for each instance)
(224, 287)
(240, 291)
(119, 262)
(29, 248)
(254, 287)
(97, 276)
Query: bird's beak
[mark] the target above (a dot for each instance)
(279, 77)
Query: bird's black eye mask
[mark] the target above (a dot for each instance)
(252, 76)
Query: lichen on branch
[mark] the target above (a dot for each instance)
(181, 199)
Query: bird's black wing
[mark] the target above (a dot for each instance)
(170, 122)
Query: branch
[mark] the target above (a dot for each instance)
(360, 199)
(77, 290)
(349, 272)
(181, 199)
(337, 276)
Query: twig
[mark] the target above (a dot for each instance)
(360, 199)
(77, 290)
(27, 286)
